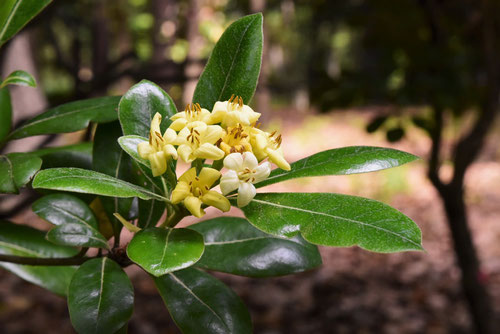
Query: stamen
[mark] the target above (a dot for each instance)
(231, 99)
(240, 102)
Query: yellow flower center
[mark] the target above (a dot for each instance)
(193, 137)
(247, 175)
(236, 140)
(193, 112)
(198, 188)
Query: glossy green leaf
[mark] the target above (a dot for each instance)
(16, 170)
(5, 113)
(86, 181)
(234, 65)
(14, 14)
(234, 246)
(129, 145)
(139, 105)
(75, 222)
(110, 159)
(100, 298)
(334, 220)
(77, 155)
(199, 303)
(21, 240)
(160, 251)
(70, 117)
(20, 78)
(342, 161)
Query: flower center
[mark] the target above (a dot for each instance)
(156, 140)
(235, 103)
(275, 141)
(193, 112)
(247, 175)
(194, 137)
(197, 188)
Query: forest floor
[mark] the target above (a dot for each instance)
(355, 291)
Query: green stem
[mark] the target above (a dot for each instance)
(218, 164)
(198, 163)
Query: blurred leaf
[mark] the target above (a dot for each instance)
(163, 250)
(100, 298)
(199, 303)
(20, 78)
(16, 170)
(75, 222)
(14, 14)
(139, 105)
(86, 181)
(70, 117)
(77, 155)
(342, 161)
(234, 66)
(5, 113)
(334, 220)
(105, 225)
(234, 246)
(21, 240)
(422, 123)
(375, 124)
(395, 134)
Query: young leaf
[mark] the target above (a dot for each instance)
(21, 240)
(100, 298)
(334, 220)
(234, 65)
(76, 223)
(160, 251)
(5, 113)
(16, 170)
(77, 155)
(70, 117)
(342, 161)
(199, 303)
(14, 14)
(139, 105)
(234, 246)
(86, 181)
(20, 78)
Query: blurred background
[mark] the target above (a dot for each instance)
(418, 75)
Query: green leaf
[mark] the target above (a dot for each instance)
(129, 145)
(334, 220)
(20, 78)
(100, 298)
(234, 65)
(109, 158)
(21, 240)
(160, 251)
(76, 223)
(234, 246)
(5, 113)
(139, 105)
(77, 155)
(70, 117)
(199, 303)
(16, 170)
(342, 161)
(86, 181)
(14, 14)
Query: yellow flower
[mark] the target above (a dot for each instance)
(235, 139)
(197, 140)
(160, 148)
(194, 190)
(192, 113)
(267, 145)
(233, 112)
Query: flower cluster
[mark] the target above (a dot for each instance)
(229, 134)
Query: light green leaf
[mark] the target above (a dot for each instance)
(334, 220)
(20, 78)
(21, 240)
(70, 117)
(342, 161)
(160, 251)
(86, 181)
(16, 170)
(5, 114)
(100, 298)
(234, 65)
(234, 246)
(199, 303)
(129, 145)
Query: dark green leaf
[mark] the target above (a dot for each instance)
(86, 181)
(5, 113)
(70, 117)
(334, 220)
(160, 251)
(234, 246)
(78, 155)
(16, 170)
(20, 78)
(100, 298)
(139, 105)
(342, 161)
(76, 223)
(234, 66)
(394, 135)
(199, 303)
(21, 240)
(14, 14)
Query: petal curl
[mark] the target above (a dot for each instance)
(217, 200)
(246, 192)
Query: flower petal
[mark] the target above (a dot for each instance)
(170, 151)
(155, 123)
(179, 115)
(229, 182)
(246, 192)
(185, 152)
(158, 162)
(144, 149)
(180, 192)
(262, 172)
(193, 204)
(169, 136)
(208, 176)
(276, 157)
(234, 161)
(178, 124)
(208, 151)
(188, 175)
(212, 134)
(249, 160)
(217, 200)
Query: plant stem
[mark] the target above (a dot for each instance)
(218, 164)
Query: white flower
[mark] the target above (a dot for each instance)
(244, 170)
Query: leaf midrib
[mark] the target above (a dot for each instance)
(9, 18)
